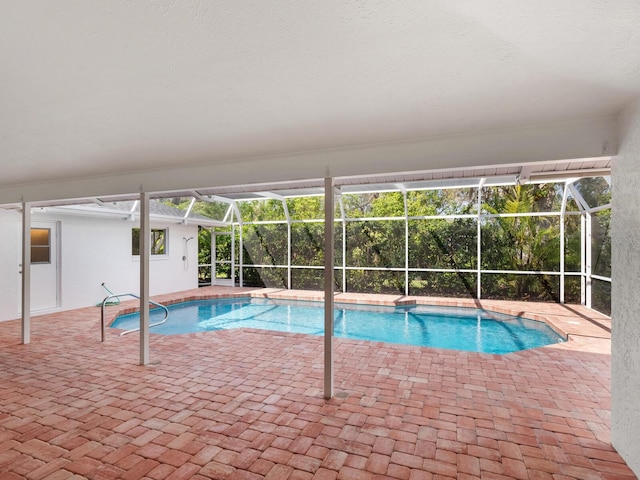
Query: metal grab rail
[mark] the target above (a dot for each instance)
(104, 302)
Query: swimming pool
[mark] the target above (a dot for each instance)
(428, 326)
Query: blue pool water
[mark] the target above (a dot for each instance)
(442, 327)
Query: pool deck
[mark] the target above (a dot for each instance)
(248, 404)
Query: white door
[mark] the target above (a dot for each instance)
(222, 256)
(44, 266)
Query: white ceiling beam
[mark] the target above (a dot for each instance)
(572, 140)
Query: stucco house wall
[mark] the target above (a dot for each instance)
(625, 345)
(94, 250)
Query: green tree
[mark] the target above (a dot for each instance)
(521, 243)
(306, 208)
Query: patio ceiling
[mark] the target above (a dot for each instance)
(175, 95)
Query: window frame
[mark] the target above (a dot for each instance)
(155, 252)
(41, 247)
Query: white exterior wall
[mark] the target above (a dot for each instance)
(93, 251)
(10, 258)
(625, 344)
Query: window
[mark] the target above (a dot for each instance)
(40, 245)
(158, 241)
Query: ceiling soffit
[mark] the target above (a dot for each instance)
(436, 179)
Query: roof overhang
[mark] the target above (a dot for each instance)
(568, 146)
(535, 172)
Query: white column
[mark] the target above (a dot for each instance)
(288, 218)
(233, 255)
(236, 211)
(328, 286)
(288, 255)
(26, 273)
(344, 245)
(583, 260)
(563, 210)
(145, 247)
(406, 242)
(214, 257)
(479, 239)
(588, 256)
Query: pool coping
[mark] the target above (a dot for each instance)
(572, 322)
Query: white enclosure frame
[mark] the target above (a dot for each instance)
(569, 191)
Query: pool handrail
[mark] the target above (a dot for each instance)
(109, 297)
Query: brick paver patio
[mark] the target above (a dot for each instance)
(248, 404)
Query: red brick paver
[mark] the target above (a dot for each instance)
(248, 403)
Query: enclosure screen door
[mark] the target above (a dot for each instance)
(223, 259)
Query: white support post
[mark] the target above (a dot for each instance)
(406, 242)
(233, 255)
(479, 240)
(563, 210)
(328, 285)
(241, 255)
(145, 250)
(288, 218)
(236, 212)
(585, 245)
(289, 255)
(587, 254)
(214, 256)
(583, 260)
(344, 246)
(562, 276)
(26, 273)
